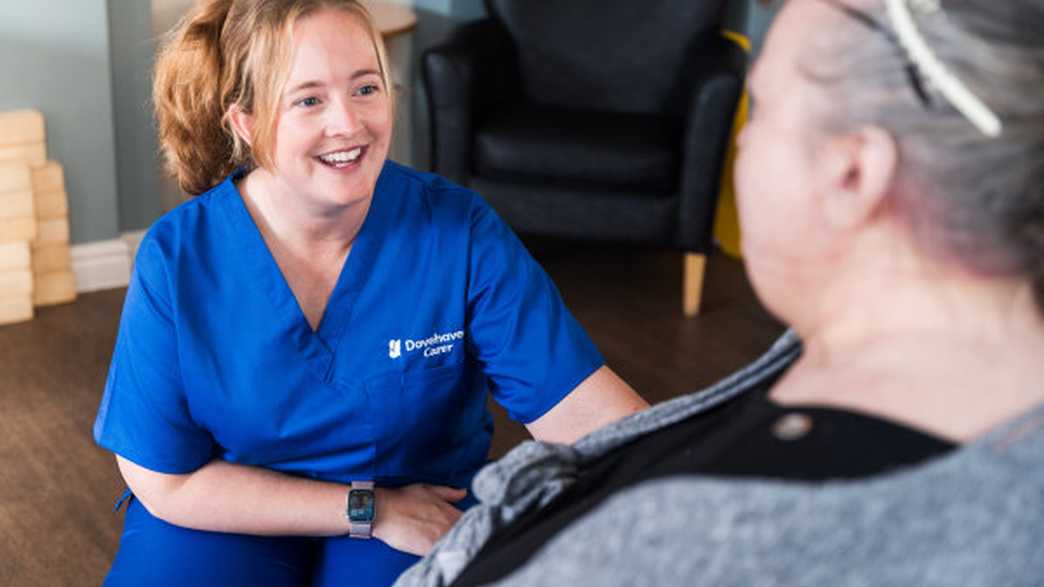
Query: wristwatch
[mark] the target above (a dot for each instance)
(361, 509)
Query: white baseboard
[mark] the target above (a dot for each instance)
(104, 264)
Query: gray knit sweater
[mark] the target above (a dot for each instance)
(973, 517)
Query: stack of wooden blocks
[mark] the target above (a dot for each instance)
(35, 265)
(53, 280)
(17, 230)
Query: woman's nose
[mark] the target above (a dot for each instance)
(341, 118)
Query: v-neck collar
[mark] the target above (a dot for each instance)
(264, 272)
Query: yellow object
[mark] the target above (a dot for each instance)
(726, 219)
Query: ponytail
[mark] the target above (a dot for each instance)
(190, 103)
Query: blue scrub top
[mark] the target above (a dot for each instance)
(437, 303)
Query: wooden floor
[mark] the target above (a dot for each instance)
(57, 488)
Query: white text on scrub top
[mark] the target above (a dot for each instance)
(436, 344)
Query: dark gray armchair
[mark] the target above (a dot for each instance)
(592, 119)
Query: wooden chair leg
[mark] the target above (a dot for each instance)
(692, 284)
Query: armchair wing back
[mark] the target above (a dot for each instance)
(611, 55)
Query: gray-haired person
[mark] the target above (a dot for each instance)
(891, 193)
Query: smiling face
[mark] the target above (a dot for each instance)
(334, 121)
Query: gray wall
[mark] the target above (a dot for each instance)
(132, 51)
(54, 56)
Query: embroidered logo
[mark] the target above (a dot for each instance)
(436, 344)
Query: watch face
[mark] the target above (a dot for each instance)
(360, 505)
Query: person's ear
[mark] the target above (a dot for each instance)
(242, 123)
(856, 175)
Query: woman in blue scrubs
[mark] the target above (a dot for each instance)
(318, 321)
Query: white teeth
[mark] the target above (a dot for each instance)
(342, 156)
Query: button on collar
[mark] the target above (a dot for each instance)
(792, 426)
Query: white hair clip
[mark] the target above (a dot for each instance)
(955, 92)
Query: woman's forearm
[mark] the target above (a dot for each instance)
(226, 497)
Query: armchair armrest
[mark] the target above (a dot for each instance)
(717, 85)
(465, 77)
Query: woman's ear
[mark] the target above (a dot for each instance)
(856, 176)
(242, 123)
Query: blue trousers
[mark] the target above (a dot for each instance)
(153, 552)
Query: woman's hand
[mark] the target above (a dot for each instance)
(413, 518)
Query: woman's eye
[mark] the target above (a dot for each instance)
(307, 102)
(368, 90)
